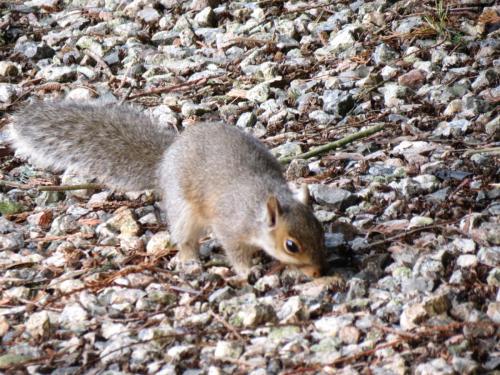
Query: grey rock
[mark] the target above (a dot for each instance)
(489, 256)
(63, 224)
(35, 51)
(227, 349)
(493, 127)
(8, 69)
(7, 92)
(58, 73)
(408, 24)
(124, 222)
(343, 40)
(206, 18)
(259, 93)
(464, 365)
(149, 15)
(467, 261)
(247, 119)
(337, 102)
(296, 169)
(434, 367)
(321, 117)
(287, 149)
(383, 54)
(220, 295)
(74, 317)
(494, 311)
(332, 197)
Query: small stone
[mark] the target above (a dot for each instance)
(383, 54)
(393, 94)
(489, 256)
(259, 93)
(420, 221)
(493, 127)
(332, 197)
(357, 288)
(206, 18)
(34, 50)
(349, 335)
(296, 169)
(99, 198)
(57, 73)
(9, 206)
(191, 109)
(227, 349)
(321, 117)
(337, 102)
(493, 278)
(494, 312)
(4, 326)
(38, 325)
(267, 283)
(464, 366)
(91, 44)
(342, 40)
(454, 107)
(293, 311)
(254, 315)
(413, 79)
(63, 224)
(68, 286)
(246, 120)
(202, 4)
(8, 69)
(427, 183)
(388, 72)
(221, 295)
(179, 352)
(286, 150)
(331, 325)
(8, 361)
(124, 222)
(158, 243)
(412, 316)
(149, 15)
(454, 128)
(80, 93)
(434, 367)
(467, 261)
(7, 92)
(74, 317)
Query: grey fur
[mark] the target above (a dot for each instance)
(118, 145)
(214, 178)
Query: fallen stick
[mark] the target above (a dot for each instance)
(89, 186)
(336, 144)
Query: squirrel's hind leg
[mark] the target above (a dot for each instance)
(186, 230)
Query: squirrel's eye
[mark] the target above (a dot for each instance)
(292, 246)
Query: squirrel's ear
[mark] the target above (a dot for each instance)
(303, 195)
(273, 210)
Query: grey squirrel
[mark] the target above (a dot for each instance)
(212, 177)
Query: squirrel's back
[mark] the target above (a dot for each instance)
(116, 143)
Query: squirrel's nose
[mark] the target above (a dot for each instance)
(311, 271)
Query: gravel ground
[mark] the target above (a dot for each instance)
(412, 211)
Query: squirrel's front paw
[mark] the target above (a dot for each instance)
(256, 272)
(247, 275)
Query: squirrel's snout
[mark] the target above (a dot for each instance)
(311, 271)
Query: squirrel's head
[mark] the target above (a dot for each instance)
(295, 235)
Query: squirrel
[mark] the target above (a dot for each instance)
(213, 178)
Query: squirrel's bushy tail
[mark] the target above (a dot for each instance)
(118, 145)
